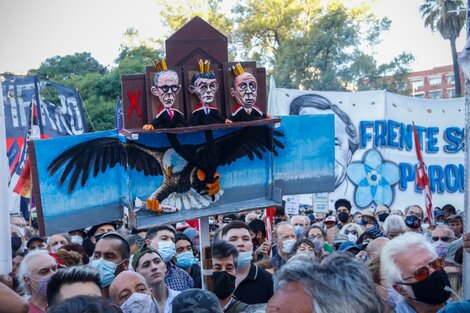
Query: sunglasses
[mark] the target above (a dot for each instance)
(445, 239)
(423, 272)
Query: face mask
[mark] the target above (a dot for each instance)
(318, 244)
(343, 217)
(107, 271)
(441, 247)
(42, 288)
(139, 302)
(299, 230)
(352, 237)
(392, 297)
(412, 222)
(185, 259)
(56, 247)
(244, 258)
(16, 243)
(439, 223)
(77, 239)
(382, 217)
(431, 290)
(287, 245)
(166, 249)
(224, 284)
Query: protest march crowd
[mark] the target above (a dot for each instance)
(378, 260)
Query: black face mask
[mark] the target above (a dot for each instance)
(224, 284)
(431, 290)
(382, 217)
(412, 222)
(343, 217)
(15, 243)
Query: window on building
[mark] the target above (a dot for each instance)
(450, 79)
(450, 93)
(435, 94)
(435, 81)
(419, 95)
(417, 84)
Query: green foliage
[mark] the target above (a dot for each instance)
(330, 55)
(448, 18)
(61, 68)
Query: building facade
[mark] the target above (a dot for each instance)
(436, 83)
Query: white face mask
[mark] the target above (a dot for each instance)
(77, 239)
(139, 303)
(287, 245)
(56, 247)
(352, 238)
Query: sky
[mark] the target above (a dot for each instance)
(34, 30)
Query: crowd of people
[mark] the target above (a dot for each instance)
(375, 260)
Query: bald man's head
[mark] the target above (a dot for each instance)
(125, 284)
(291, 298)
(375, 246)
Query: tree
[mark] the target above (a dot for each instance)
(60, 68)
(447, 17)
(331, 54)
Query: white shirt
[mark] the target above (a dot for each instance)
(169, 302)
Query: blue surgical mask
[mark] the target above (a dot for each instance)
(299, 230)
(185, 259)
(107, 271)
(244, 258)
(166, 249)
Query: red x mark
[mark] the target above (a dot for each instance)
(134, 99)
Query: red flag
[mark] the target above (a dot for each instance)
(422, 179)
(23, 186)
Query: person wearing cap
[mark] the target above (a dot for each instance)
(330, 222)
(368, 219)
(36, 242)
(350, 247)
(455, 223)
(196, 300)
(338, 240)
(343, 213)
(97, 231)
(132, 294)
(150, 264)
(439, 217)
(77, 236)
(111, 257)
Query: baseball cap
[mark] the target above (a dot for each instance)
(330, 219)
(32, 239)
(348, 245)
(454, 217)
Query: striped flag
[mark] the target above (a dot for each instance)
(422, 179)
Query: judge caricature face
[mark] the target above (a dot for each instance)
(167, 88)
(205, 89)
(245, 90)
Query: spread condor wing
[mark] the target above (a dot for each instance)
(249, 141)
(99, 154)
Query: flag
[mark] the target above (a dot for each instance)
(422, 179)
(23, 183)
(13, 155)
(118, 118)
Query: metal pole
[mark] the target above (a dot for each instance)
(466, 256)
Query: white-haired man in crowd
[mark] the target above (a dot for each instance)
(340, 284)
(410, 264)
(34, 274)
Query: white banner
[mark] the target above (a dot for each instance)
(375, 152)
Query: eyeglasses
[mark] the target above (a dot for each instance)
(319, 236)
(423, 272)
(445, 238)
(165, 88)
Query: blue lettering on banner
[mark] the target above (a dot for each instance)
(449, 178)
(454, 136)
